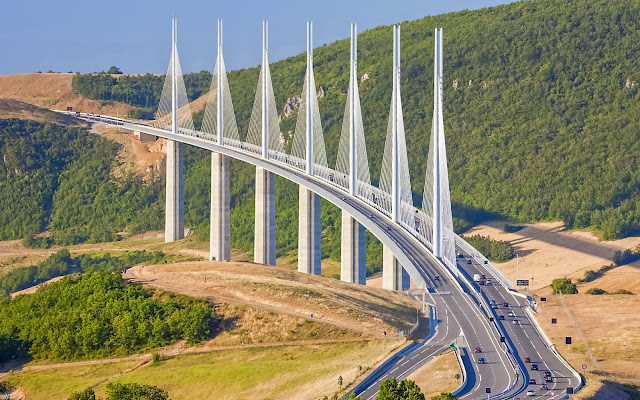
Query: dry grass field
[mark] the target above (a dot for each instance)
(438, 375)
(546, 252)
(54, 91)
(610, 324)
(365, 309)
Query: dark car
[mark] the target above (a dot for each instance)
(501, 317)
(486, 262)
(460, 255)
(505, 304)
(547, 373)
(534, 367)
(549, 379)
(481, 361)
(532, 381)
(469, 261)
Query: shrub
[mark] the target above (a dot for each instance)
(508, 228)
(564, 286)
(621, 291)
(596, 291)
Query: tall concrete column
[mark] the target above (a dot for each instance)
(265, 230)
(394, 277)
(174, 202)
(220, 234)
(353, 251)
(309, 232)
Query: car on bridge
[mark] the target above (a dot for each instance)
(477, 350)
(534, 367)
(531, 393)
(526, 359)
(532, 381)
(481, 361)
(501, 317)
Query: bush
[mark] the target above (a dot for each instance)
(494, 250)
(564, 286)
(508, 228)
(87, 394)
(596, 291)
(621, 291)
(135, 391)
(624, 257)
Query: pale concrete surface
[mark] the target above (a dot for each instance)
(353, 251)
(394, 277)
(220, 233)
(174, 204)
(309, 232)
(265, 231)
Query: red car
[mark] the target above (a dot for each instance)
(526, 359)
(477, 350)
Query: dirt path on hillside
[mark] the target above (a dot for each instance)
(141, 275)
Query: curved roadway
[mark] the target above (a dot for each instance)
(461, 318)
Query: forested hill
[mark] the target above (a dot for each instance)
(542, 110)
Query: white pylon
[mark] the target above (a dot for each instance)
(219, 120)
(309, 112)
(395, 179)
(265, 103)
(437, 99)
(353, 153)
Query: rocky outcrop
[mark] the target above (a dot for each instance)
(291, 104)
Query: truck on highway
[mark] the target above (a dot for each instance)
(479, 278)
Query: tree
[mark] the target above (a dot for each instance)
(114, 70)
(135, 391)
(564, 286)
(444, 396)
(87, 394)
(390, 389)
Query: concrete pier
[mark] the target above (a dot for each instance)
(220, 234)
(265, 230)
(394, 277)
(174, 204)
(353, 251)
(309, 232)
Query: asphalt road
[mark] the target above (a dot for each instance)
(529, 342)
(460, 317)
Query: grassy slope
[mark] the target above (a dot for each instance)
(296, 372)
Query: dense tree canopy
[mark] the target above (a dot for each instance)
(95, 315)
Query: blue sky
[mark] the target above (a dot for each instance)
(87, 36)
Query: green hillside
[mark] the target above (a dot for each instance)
(58, 178)
(542, 118)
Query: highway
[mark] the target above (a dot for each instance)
(528, 340)
(460, 316)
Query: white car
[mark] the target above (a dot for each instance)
(531, 393)
(511, 314)
(488, 281)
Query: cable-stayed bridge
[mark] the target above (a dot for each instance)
(418, 242)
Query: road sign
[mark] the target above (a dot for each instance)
(453, 346)
(522, 282)
(487, 390)
(340, 380)
(584, 367)
(554, 320)
(567, 340)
